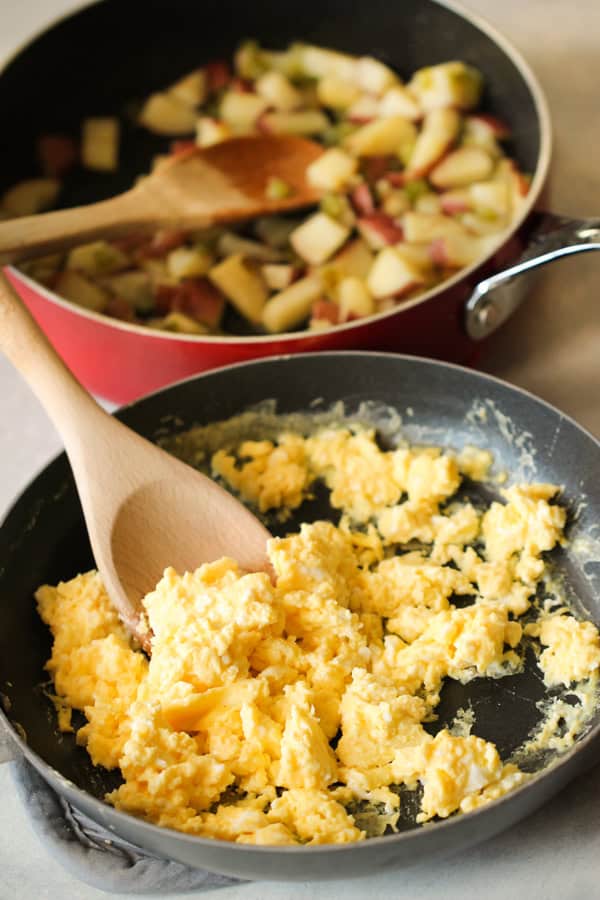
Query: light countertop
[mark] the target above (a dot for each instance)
(551, 346)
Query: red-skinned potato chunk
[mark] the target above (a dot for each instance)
(462, 167)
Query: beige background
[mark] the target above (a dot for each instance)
(551, 347)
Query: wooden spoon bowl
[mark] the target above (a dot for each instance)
(144, 509)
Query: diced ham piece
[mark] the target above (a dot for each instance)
(218, 75)
(118, 308)
(131, 242)
(379, 230)
(376, 167)
(57, 153)
(241, 85)
(163, 242)
(182, 148)
(196, 297)
(326, 309)
(362, 200)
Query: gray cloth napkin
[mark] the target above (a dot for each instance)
(96, 857)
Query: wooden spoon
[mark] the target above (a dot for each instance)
(200, 187)
(144, 510)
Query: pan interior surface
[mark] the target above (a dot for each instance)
(44, 539)
(179, 35)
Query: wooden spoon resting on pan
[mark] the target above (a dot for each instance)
(223, 183)
(144, 510)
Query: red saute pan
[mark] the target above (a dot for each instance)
(93, 62)
(43, 540)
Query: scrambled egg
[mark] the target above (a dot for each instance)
(268, 708)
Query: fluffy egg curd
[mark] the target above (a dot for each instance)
(269, 709)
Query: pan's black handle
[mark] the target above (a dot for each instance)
(497, 297)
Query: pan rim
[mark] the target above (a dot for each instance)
(539, 178)
(405, 837)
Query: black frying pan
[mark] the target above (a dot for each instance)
(43, 540)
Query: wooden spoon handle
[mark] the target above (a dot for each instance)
(67, 403)
(31, 236)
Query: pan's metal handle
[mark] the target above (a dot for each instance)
(8, 749)
(497, 297)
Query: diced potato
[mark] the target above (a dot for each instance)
(189, 262)
(318, 238)
(398, 101)
(78, 289)
(289, 61)
(455, 250)
(292, 306)
(230, 243)
(395, 203)
(250, 60)
(484, 123)
(242, 285)
(481, 224)
(308, 92)
(373, 76)
(97, 259)
(439, 131)
(457, 201)
(462, 167)
(211, 131)
(179, 323)
(490, 198)
(508, 172)
(191, 89)
(417, 255)
(428, 203)
(393, 275)
(278, 91)
(335, 93)
(100, 144)
(355, 259)
(451, 84)
(317, 62)
(420, 228)
(477, 132)
(133, 287)
(168, 115)
(382, 137)
(302, 123)
(156, 269)
(278, 276)
(241, 111)
(27, 198)
(332, 171)
(354, 298)
(364, 109)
